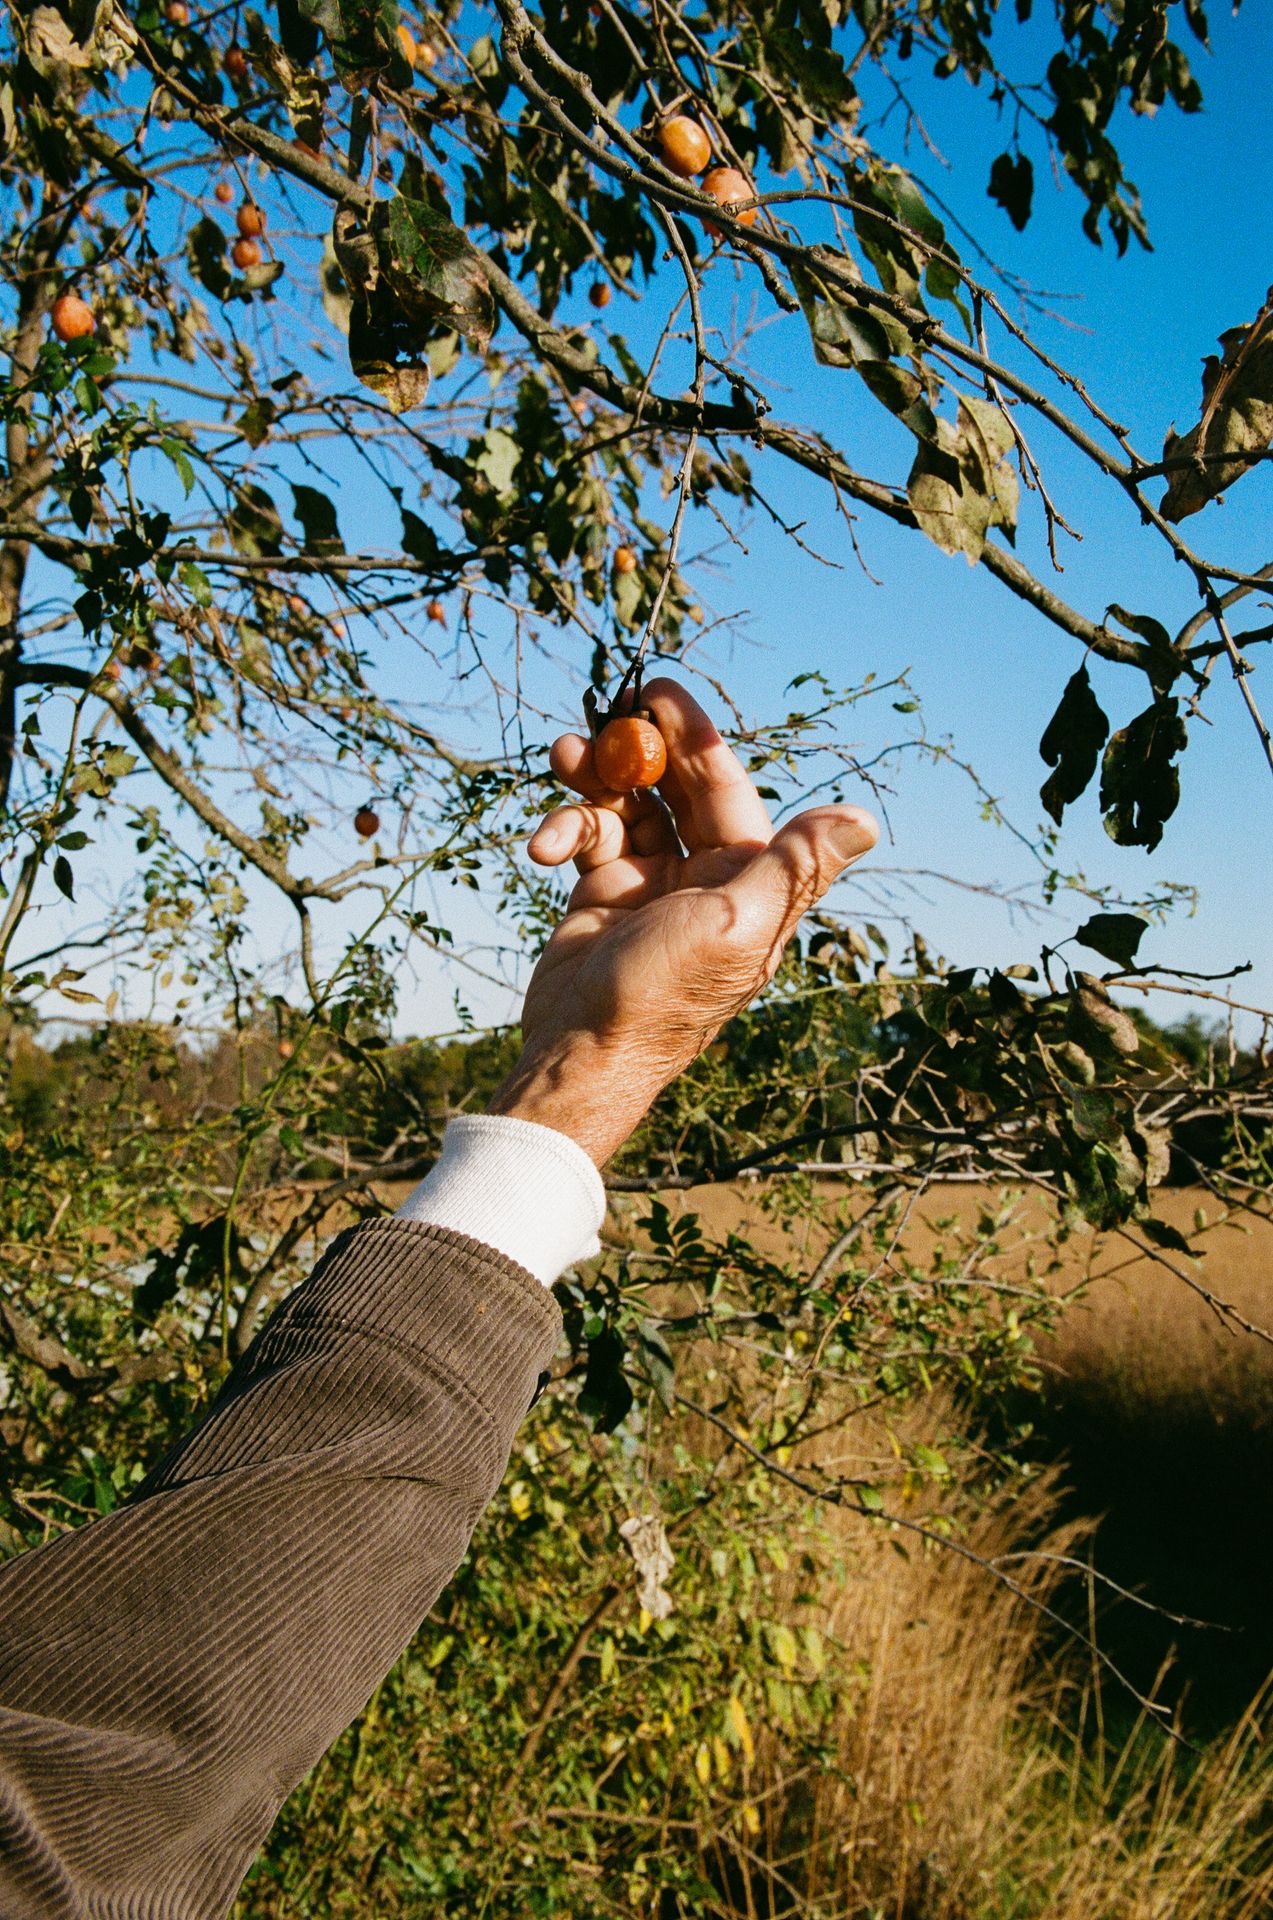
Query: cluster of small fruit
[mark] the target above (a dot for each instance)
(686, 151)
(71, 317)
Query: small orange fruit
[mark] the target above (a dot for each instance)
(625, 560)
(223, 192)
(599, 293)
(366, 823)
(726, 185)
(628, 753)
(686, 147)
(235, 65)
(246, 253)
(71, 318)
(426, 56)
(250, 220)
(297, 605)
(436, 612)
(111, 669)
(177, 13)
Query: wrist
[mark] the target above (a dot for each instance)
(583, 1089)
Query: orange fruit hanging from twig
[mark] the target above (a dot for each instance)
(629, 753)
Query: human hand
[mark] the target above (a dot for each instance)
(679, 917)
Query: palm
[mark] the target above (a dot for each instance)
(650, 943)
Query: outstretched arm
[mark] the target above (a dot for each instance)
(171, 1671)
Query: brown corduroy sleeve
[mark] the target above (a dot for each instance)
(171, 1671)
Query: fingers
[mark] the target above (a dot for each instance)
(706, 785)
(652, 828)
(591, 836)
(798, 866)
(626, 882)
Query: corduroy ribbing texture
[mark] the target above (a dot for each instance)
(170, 1672)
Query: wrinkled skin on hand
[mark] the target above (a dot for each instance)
(685, 901)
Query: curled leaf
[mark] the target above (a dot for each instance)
(645, 1539)
(1236, 426)
(1072, 742)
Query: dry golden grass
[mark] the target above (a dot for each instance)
(971, 1777)
(1137, 1328)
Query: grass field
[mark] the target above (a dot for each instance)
(1158, 1410)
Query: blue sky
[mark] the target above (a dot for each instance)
(989, 671)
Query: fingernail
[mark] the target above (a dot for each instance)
(855, 834)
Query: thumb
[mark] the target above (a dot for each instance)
(798, 866)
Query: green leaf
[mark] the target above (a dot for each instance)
(1115, 935)
(499, 460)
(1072, 742)
(435, 271)
(63, 879)
(117, 761)
(196, 583)
(256, 419)
(1140, 785)
(1094, 1114)
(960, 484)
(843, 335)
(904, 394)
(782, 1645)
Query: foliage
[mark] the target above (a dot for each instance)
(287, 535)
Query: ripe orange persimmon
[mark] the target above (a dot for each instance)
(246, 253)
(177, 13)
(686, 147)
(599, 293)
(436, 612)
(726, 185)
(235, 64)
(628, 753)
(426, 55)
(250, 220)
(223, 192)
(625, 560)
(71, 318)
(285, 1049)
(366, 823)
(297, 605)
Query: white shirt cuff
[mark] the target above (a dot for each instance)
(526, 1190)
